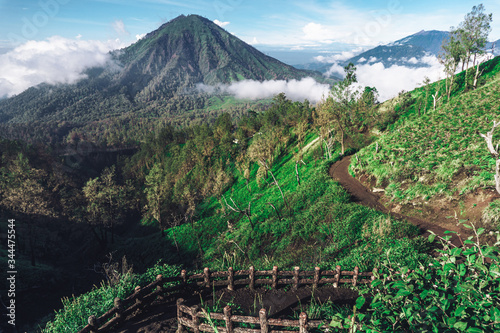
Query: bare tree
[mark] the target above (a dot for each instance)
(247, 212)
(262, 150)
(493, 151)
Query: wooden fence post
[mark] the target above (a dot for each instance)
(316, 277)
(275, 277)
(138, 299)
(337, 277)
(119, 308)
(180, 302)
(195, 318)
(93, 324)
(206, 277)
(252, 278)
(230, 279)
(355, 276)
(183, 276)
(159, 286)
(227, 318)
(296, 277)
(303, 323)
(264, 327)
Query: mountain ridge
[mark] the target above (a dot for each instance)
(155, 76)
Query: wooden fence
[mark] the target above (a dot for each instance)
(251, 278)
(232, 322)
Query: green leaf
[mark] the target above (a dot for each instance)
(461, 325)
(432, 237)
(480, 231)
(360, 302)
(403, 293)
(474, 330)
(462, 269)
(467, 226)
(496, 314)
(459, 310)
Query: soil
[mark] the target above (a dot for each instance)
(364, 196)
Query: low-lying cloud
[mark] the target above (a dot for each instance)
(296, 90)
(391, 80)
(55, 60)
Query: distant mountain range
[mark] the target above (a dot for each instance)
(408, 51)
(154, 76)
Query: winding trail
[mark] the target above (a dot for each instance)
(161, 318)
(362, 195)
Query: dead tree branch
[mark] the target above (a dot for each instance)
(493, 151)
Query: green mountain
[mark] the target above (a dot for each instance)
(155, 77)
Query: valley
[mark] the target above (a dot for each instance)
(153, 165)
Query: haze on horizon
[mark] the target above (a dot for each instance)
(54, 41)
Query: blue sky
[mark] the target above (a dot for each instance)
(293, 25)
(54, 41)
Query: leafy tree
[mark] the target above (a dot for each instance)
(262, 150)
(450, 58)
(345, 109)
(473, 32)
(107, 202)
(22, 191)
(158, 191)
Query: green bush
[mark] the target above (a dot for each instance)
(457, 292)
(76, 311)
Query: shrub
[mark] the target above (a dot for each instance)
(457, 292)
(491, 215)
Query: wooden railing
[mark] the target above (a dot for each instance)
(233, 322)
(251, 278)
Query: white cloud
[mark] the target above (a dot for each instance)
(362, 59)
(389, 81)
(323, 34)
(344, 55)
(254, 41)
(221, 24)
(295, 90)
(335, 70)
(140, 36)
(119, 27)
(55, 60)
(372, 59)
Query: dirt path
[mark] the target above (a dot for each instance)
(362, 195)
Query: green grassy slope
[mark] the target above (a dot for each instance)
(439, 153)
(322, 226)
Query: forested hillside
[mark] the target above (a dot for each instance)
(220, 183)
(144, 86)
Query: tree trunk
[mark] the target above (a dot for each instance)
(342, 141)
(476, 76)
(297, 172)
(497, 175)
(279, 187)
(277, 212)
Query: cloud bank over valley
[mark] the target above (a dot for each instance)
(296, 90)
(54, 60)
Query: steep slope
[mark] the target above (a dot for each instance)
(437, 159)
(155, 76)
